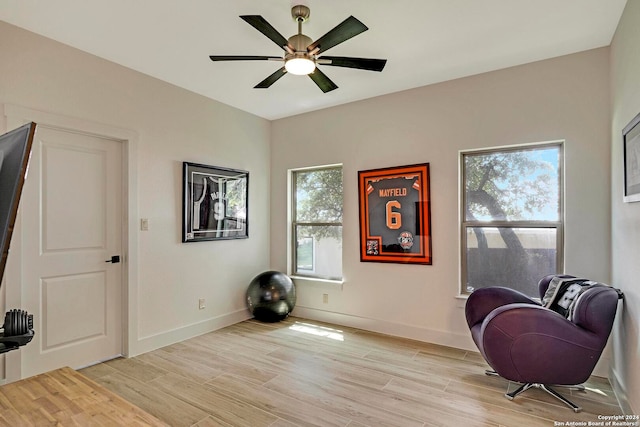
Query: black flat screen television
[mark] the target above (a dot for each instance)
(15, 149)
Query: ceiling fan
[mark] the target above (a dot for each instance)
(301, 54)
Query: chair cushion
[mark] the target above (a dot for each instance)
(563, 292)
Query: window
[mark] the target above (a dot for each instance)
(316, 227)
(305, 259)
(512, 213)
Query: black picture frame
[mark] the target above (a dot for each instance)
(215, 203)
(631, 152)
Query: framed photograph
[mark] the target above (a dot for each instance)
(395, 215)
(215, 203)
(15, 150)
(631, 149)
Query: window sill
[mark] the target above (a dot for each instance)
(322, 283)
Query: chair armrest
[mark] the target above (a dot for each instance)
(528, 343)
(484, 300)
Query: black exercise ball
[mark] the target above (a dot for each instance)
(271, 296)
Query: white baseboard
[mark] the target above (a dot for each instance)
(620, 391)
(153, 342)
(445, 338)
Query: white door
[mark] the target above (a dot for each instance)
(71, 226)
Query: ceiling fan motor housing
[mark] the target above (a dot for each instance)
(300, 13)
(299, 42)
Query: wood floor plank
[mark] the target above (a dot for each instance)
(426, 363)
(305, 373)
(473, 356)
(168, 362)
(98, 370)
(442, 351)
(284, 423)
(449, 358)
(327, 366)
(367, 406)
(301, 412)
(230, 363)
(173, 411)
(376, 341)
(136, 369)
(238, 341)
(211, 422)
(219, 406)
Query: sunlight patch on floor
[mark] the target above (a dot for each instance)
(319, 331)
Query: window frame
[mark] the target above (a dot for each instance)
(532, 224)
(293, 224)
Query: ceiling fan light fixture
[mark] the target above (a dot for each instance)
(300, 66)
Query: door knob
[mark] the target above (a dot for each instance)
(114, 259)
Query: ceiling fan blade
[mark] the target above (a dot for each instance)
(360, 63)
(243, 58)
(348, 28)
(261, 24)
(324, 83)
(271, 79)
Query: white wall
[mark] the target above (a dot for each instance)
(172, 125)
(563, 98)
(625, 87)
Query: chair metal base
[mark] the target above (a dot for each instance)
(552, 392)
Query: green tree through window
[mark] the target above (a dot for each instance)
(317, 221)
(511, 229)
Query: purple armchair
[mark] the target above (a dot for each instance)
(536, 346)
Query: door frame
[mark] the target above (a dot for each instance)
(17, 116)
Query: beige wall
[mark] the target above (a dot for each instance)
(625, 231)
(172, 125)
(564, 98)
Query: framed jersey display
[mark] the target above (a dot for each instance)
(395, 215)
(214, 203)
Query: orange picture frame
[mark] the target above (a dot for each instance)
(395, 215)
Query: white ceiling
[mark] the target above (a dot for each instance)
(425, 41)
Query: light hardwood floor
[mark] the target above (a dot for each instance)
(64, 397)
(305, 373)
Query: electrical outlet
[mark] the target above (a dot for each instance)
(325, 298)
(201, 304)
